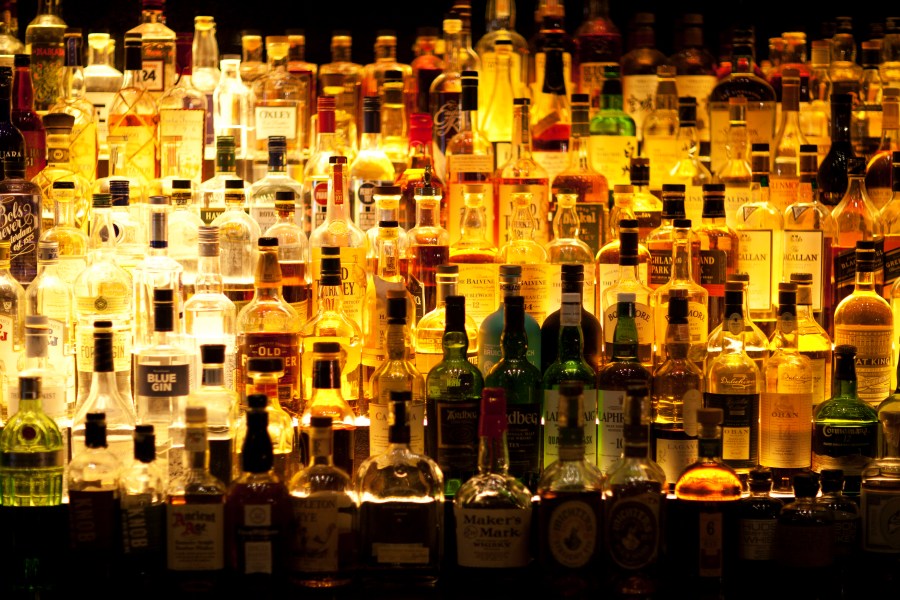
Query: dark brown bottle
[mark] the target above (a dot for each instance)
(572, 282)
(832, 175)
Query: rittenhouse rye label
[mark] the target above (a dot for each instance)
(492, 538)
(320, 520)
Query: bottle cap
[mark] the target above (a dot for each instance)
(387, 190)
(681, 223)
(259, 364)
(234, 184)
(320, 422)
(806, 485)
(58, 123)
(326, 347)
(257, 401)
(144, 443)
(181, 184)
(21, 60)
(709, 416)
(212, 354)
(449, 269)
(267, 242)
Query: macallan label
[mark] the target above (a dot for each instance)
(755, 258)
(276, 120)
(632, 529)
(873, 358)
(881, 510)
(611, 416)
(804, 252)
(477, 282)
(756, 539)
(784, 420)
(551, 426)
(195, 537)
(492, 538)
(638, 92)
(573, 519)
(319, 520)
(611, 156)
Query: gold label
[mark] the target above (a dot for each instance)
(353, 277)
(478, 284)
(611, 156)
(873, 358)
(784, 437)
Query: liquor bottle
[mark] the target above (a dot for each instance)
(371, 167)
(142, 501)
(579, 177)
(551, 114)
(646, 206)
(322, 500)
(855, 220)
(182, 120)
(813, 341)
(695, 69)
(12, 141)
(847, 519)
(130, 222)
(72, 240)
(400, 484)
(622, 208)
(572, 281)
(761, 102)
(470, 61)
(520, 381)
(276, 179)
(493, 492)
(429, 246)
(339, 230)
(734, 384)
(195, 515)
(677, 387)
(501, 84)
(26, 119)
(444, 94)
(101, 82)
(157, 47)
(452, 390)
(387, 280)
(263, 375)
(567, 247)
(635, 483)
(32, 470)
(394, 119)
(162, 380)
(251, 58)
(205, 73)
(659, 241)
(756, 344)
(809, 237)
(83, 147)
(20, 201)
(293, 253)
(92, 479)
(757, 521)
(599, 45)
(845, 428)
(58, 380)
(134, 115)
(213, 189)
(396, 372)
(475, 255)
(237, 233)
(879, 488)
(12, 315)
(736, 172)
(864, 316)
(270, 327)
(156, 271)
(103, 291)
(569, 364)
(681, 278)
(342, 78)
(421, 126)
(785, 177)
(221, 403)
(832, 174)
(785, 409)
(233, 108)
(688, 169)
(333, 323)
(613, 132)
(549, 22)
(718, 250)
(491, 329)
(520, 174)
(866, 124)
(709, 492)
(639, 66)
(659, 144)
(385, 52)
(209, 315)
(523, 249)
(889, 216)
(470, 159)
(816, 117)
(614, 380)
(277, 97)
(879, 167)
(760, 229)
(184, 224)
(609, 259)
(257, 545)
(571, 500)
(45, 40)
(387, 205)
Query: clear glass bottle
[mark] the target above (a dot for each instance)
(394, 119)
(293, 253)
(429, 246)
(59, 168)
(688, 169)
(659, 143)
(12, 317)
(496, 114)
(72, 240)
(475, 255)
(251, 57)
(718, 251)
(263, 376)
(695, 68)
(238, 233)
(813, 341)
(222, 404)
(784, 179)
(277, 96)
(445, 93)
(233, 108)
(184, 229)
(49, 340)
(101, 82)
(317, 170)
(157, 47)
(421, 127)
(756, 344)
(205, 73)
(385, 53)
(524, 248)
(659, 241)
(45, 39)
(567, 246)
(342, 78)
(371, 167)
(212, 191)
(276, 179)
(736, 172)
(12, 140)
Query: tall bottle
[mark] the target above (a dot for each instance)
(157, 47)
(736, 172)
(475, 255)
(813, 341)
(832, 173)
(688, 169)
(238, 232)
(639, 66)
(879, 166)
(394, 119)
(572, 281)
(12, 141)
(317, 170)
(293, 252)
(613, 132)
(757, 521)
(371, 167)
(20, 201)
(101, 82)
(48, 351)
(342, 78)
(551, 116)
(429, 246)
(695, 69)
(491, 329)
(496, 111)
(26, 119)
(444, 95)
(718, 250)
(659, 144)
(420, 156)
(500, 28)
(233, 108)
(45, 40)
(784, 179)
(599, 45)
(277, 97)
(205, 73)
(567, 246)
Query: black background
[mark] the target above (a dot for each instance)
(365, 18)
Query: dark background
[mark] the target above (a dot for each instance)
(365, 18)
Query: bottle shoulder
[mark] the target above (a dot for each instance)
(493, 491)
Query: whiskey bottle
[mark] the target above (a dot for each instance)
(263, 192)
(342, 78)
(293, 253)
(570, 519)
(785, 177)
(688, 169)
(59, 169)
(756, 344)
(444, 95)
(646, 206)
(429, 246)
(551, 115)
(45, 40)
(212, 191)
(222, 404)
(572, 281)
(736, 172)
(21, 203)
(277, 99)
(26, 119)
(599, 45)
(73, 242)
(12, 141)
(371, 167)
(695, 68)
(568, 247)
(832, 173)
(421, 126)
(639, 67)
(608, 259)
(881, 487)
(813, 341)
(101, 82)
(263, 376)
(387, 205)
(879, 166)
(757, 520)
(157, 47)
(847, 520)
(500, 83)
(394, 118)
(659, 144)
(718, 251)
(491, 330)
(659, 241)
(475, 255)
(429, 333)
(238, 233)
(889, 216)
(493, 492)
(614, 138)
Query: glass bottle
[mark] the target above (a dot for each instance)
(293, 253)
(599, 45)
(322, 497)
(157, 47)
(12, 141)
(26, 119)
(233, 108)
(688, 169)
(847, 520)
(134, 115)
(475, 255)
(845, 428)
(635, 482)
(73, 242)
(493, 492)
(385, 52)
(695, 69)
(757, 520)
(659, 241)
(879, 166)
(238, 232)
(251, 57)
(20, 203)
(101, 82)
(394, 119)
(866, 122)
(551, 116)
(832, 174)
(756, 344)
(195, 515)
(387, 204)
(59, 168)
(12, 317)
(813, 341)
(205, 73)
(400, 484)
(212, 190)
(718, 250)
(521, 383)
(222, 404)
(736, 172)
(500, 27)
(784, 179)
(571, 492)
(613, 132)
(491, 329)
(429, 246)
(263, 376)
(371, 167)
(572, 281)
(646, 206)
(500, 84)
(445, 94)
(880, 480)
(269, 327)
(659, 143)
(45, 40)
(567, 246)
(639, 67)
(342, 79)
(277, 96)
(184, 226)
(420, 157)
(33, 465)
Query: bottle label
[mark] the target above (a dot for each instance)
(163, 381)
(674, 455)
(891, 264)
(457, 436)
(375, 350)
(804, 252)
(477, 282)
(140, 148)
(663, 152)
(353, 278)
(592, 222)
(553, 163)
(463, 169)
(881, 513)
(101, 102)
(182, 134)
(699, 87)
(379, 425)
(632, 529)
(611, 416)
(551, 426)
(736, 195)
(195, 537)
(412, 544)
(570, 315)
(760, 128)
(92, 515)
(821, 379)
(698, 318)
(20, 225)
(844, 273)
(153, 72)
(660, 267)
(611, 156)
(873, 358)
(535, 288)
(638, 92)
(491, 537)
(47, 64)
(363, 190)
(848, 448)
(275, 345)
(756, 539)
(783, 191)
(540, 207)
(693, 203)
(256, 537)
(643, 319)
(320, 520)
(713, 264)
(276, 120)
(740, 426)
(712, 552)
(572, 533)
(429, 349)
(523, 437)
(806, 546)
(755, 258)
(121, 349)
(143, 529)
(784, 419)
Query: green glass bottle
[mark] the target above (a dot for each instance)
(489, 347)
(613, 133)
(569, 365)
(31, 453)
(522, 383)
(452, 397)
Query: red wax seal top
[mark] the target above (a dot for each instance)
(493, 412)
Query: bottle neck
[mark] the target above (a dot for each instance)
(472, 227)
(321, 446)
(521, 142)
(213, 375)
(427, 211)
(209, 279)
(840, 123)
(865, 279)
(678, 340)
(566, 224)
(571, 336)
(681, 258)
(395, 341)
(493, 454)
(23, 90)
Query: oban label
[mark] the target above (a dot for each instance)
(755, 258)
(551, 426)
(611, 155)
(195, 537)
(804, 252)
(740, 426)
(492, 538)
(633, 529)
(784, 420)
(882, 513)
(846, 448)
(873, 359)
(319, 521)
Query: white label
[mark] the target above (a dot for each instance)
(195, 537)
(477, 282)
(873, 359)
(693, 204)
(154, 75)
(710, 530)
(675, 455)
(643, 319)
(535, 288)
(379, 425)
(756, 539)
(319, 523)
(735, 197)
(551, 426)
(735, 443)
(760, 127)
(611, 415)
(611, 156)
(755, 259)
(663, 152)
(492, 538)
(783, 191)
(9, 356)
(880, 515)
(276, 120)
(804, 252)
(257, 557)
(699, 87)
(638, 92)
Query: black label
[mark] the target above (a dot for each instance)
(457, 436)
(845, 267)
(523, 438)
(163, 381)
(590, 218)
(855, 440)
(660, 267)
(712, 271)
(20, 224)
(891, 265)
(92, 520)
(143, 530)
(209, 214)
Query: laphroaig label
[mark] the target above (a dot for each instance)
(611, 416)
(551, 426)
(492, 538)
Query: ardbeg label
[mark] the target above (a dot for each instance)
(632, 529)
(495, 538)
(457, 437)
(523, 437)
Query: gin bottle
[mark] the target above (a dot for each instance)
(263, 191)
(20, 202)
(238, 233)
(184, 228)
